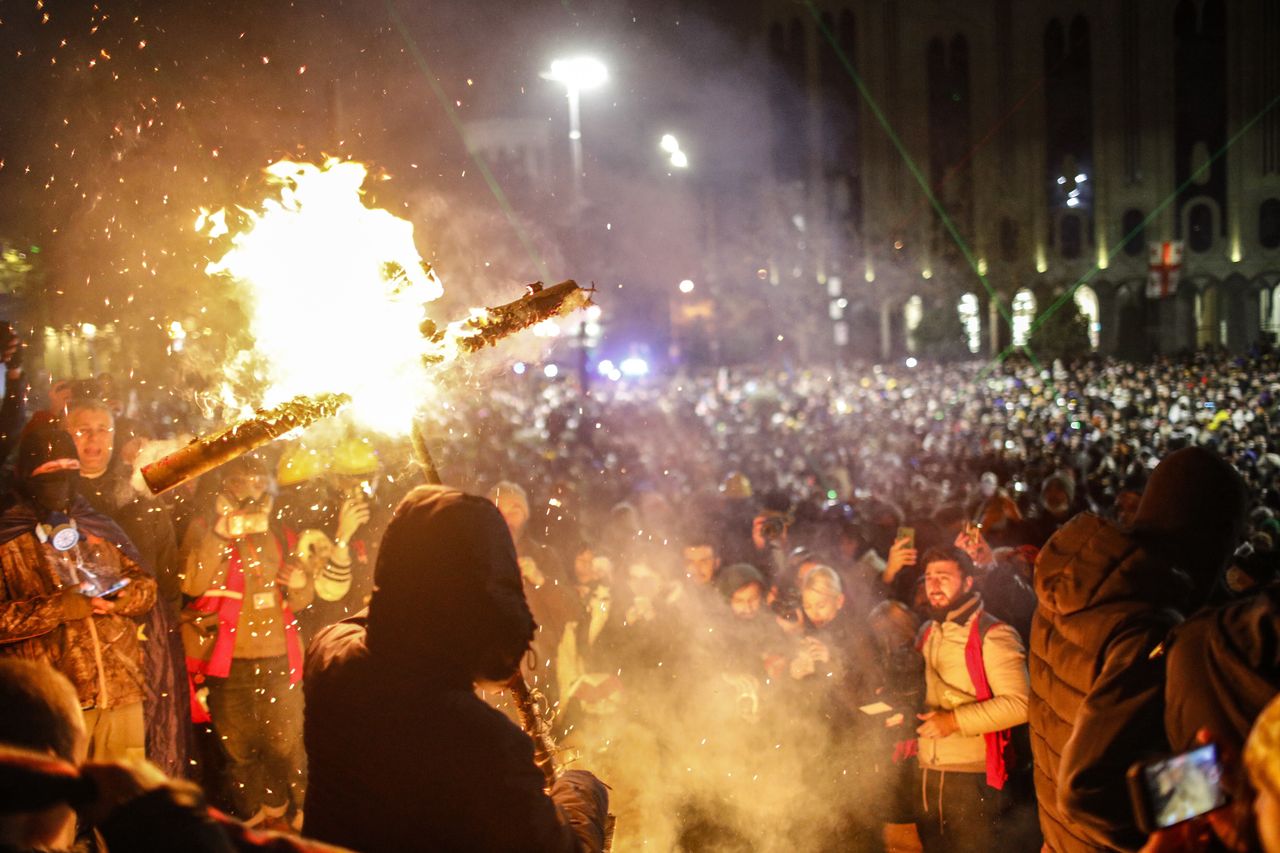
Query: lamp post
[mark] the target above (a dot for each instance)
(576, 75)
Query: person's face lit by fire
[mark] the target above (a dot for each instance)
(821, 603)
(245, 487)
(514, 511)
(701, 563)
(745, 601)
(584, 567)
(94, 433)
(945, 583)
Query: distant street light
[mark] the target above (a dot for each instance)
(577, 75)
(671, 146)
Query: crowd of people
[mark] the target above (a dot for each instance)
(860, 608)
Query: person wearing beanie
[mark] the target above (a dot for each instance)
(743, 586)
(70, 591)
(403, 755)
(1107, 599)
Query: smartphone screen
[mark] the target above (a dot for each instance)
(1183, 786)
(908, 533)
(114, 588)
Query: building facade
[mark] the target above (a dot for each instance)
(1062, 144)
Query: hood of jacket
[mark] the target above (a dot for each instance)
(447, 593)
(1091, 562)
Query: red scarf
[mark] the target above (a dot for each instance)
(227, 603)
(997, 742)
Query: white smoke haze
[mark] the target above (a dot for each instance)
(708, 755)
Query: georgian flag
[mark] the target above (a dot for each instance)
(1164, 269)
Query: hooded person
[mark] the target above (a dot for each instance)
(70, 590)
(403, 755)
(1107, 601)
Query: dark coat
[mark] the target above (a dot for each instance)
(398, 765)
(402, 754)
(1224, 667)
(1106, 606)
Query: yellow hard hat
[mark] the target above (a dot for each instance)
(736, 485)
(300, 463)
(355, 457)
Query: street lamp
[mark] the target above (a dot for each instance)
(576, 75)
(671, 146)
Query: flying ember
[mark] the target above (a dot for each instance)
(335, 292)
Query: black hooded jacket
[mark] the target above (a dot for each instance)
(403, 756)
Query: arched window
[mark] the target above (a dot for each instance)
(1200, 228)
(1269, 223)
(1087, 301)
(1133, 232)
(1024, 314)
(970, 311)
(912, 314)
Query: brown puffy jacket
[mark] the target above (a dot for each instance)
(100, 654)
(1097, 679)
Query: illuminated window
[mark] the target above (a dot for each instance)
(1024, 314)
(971, 319)
(912, 314)
(1087, 302)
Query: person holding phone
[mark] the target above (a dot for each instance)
(976, 688)
(71, 588)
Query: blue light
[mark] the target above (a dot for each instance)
(634, 366)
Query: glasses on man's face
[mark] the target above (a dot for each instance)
(88, 432)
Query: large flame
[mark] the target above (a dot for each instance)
(335, 291)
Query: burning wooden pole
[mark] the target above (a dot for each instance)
(487, 327)
(205, 454)
(483, 329)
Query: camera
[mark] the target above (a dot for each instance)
(774, 526)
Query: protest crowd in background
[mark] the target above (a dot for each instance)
(860, 608)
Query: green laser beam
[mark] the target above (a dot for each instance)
(543, 273)
(947, 221)
(1088, 276)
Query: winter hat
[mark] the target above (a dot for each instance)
(1193, 510)
(737, 576)
(41, 443)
